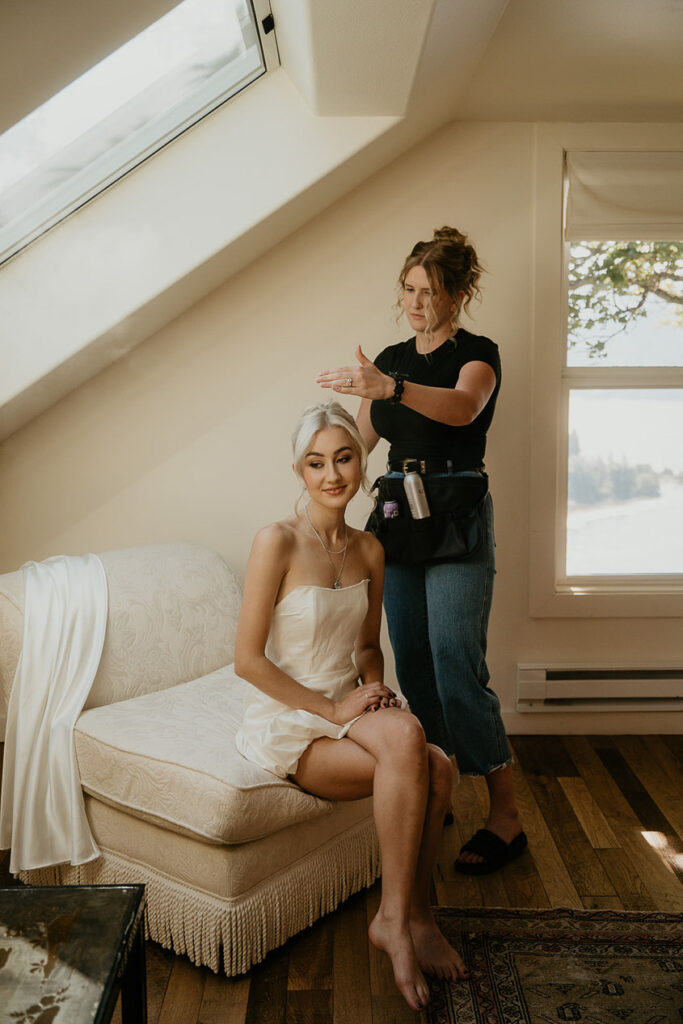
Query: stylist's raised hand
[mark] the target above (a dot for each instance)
(364, 380)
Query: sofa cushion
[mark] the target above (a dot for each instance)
(170, 758)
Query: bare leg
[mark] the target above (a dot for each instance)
(435, 955)
(503, 817)
(391, 754)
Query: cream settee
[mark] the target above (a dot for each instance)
(235, 860)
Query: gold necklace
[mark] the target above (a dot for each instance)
(336, 585)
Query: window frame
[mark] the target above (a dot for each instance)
(551, 592)
(133, 150)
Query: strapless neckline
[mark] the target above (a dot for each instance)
(313, 586)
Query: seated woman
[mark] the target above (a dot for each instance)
(308, 635)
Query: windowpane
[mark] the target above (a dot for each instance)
(122, 110)
(625, 304)
(625, 482)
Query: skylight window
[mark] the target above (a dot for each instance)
(122, 110)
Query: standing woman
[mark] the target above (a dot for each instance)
(433, 397)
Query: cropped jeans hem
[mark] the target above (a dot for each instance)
(489, 771)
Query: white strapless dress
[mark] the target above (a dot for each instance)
(312, 637)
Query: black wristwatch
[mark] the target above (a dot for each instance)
(399, 381)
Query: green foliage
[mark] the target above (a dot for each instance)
(609, 283)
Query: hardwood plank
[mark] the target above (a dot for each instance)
(309, 1007)
(159, 963)
(351, 974)
(452, 888)
(391, 1009)
(494, 889)
(675, 745)
(267, 1002)
(662, 754)
(552, 870)
(544, 755)
(626, 880)
(654, 872)
(311, 957)
(591, 818)
(602, 903)
(661, 833)
(653, 777)
(584, 868)
(225, 1000)
(184, 993)
(523, 883)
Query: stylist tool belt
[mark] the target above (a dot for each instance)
(427, 513)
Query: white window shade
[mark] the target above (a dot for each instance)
(624, 195)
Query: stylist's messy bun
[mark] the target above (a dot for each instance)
(450, 262)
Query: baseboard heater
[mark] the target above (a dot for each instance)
(599, 688)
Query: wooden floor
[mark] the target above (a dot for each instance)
(604, 817)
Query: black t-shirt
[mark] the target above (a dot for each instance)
(412, 435)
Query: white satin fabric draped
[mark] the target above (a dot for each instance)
(42, 814)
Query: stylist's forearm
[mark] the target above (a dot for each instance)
(445, 405)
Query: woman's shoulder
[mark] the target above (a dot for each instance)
(277, 538)
(468, 341)
(476, 347)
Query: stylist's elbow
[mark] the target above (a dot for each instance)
(467, 410)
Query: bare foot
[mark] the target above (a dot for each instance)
(506, 826)
(435, 955)
(398, 944)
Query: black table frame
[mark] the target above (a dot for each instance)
(127, 973)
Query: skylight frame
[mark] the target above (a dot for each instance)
(133, 150)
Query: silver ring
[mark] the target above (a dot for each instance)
(349, 382)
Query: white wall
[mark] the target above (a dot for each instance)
(187, 436)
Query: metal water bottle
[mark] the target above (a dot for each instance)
(415, 493)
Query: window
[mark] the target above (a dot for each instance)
(122, 110)
(607, 403)
(623, 383)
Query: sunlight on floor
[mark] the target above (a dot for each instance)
(659, 842)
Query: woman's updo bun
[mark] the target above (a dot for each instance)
(450, 262)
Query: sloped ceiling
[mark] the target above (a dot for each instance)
(191, 216)
(45, 45)
(581, 60)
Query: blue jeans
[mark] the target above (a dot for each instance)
(438, 618)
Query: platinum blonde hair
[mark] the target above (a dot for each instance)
(318, 417)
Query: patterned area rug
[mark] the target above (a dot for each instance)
(551, 966)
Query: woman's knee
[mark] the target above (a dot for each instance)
(440, 771)
(401, 734)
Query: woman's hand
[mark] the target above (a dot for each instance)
(364, 380)
(369, 697)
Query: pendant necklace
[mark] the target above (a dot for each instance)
(336, 585)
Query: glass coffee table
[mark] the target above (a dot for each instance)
(67, 951)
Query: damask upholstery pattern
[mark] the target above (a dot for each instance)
(173, 612)
(185, 772)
